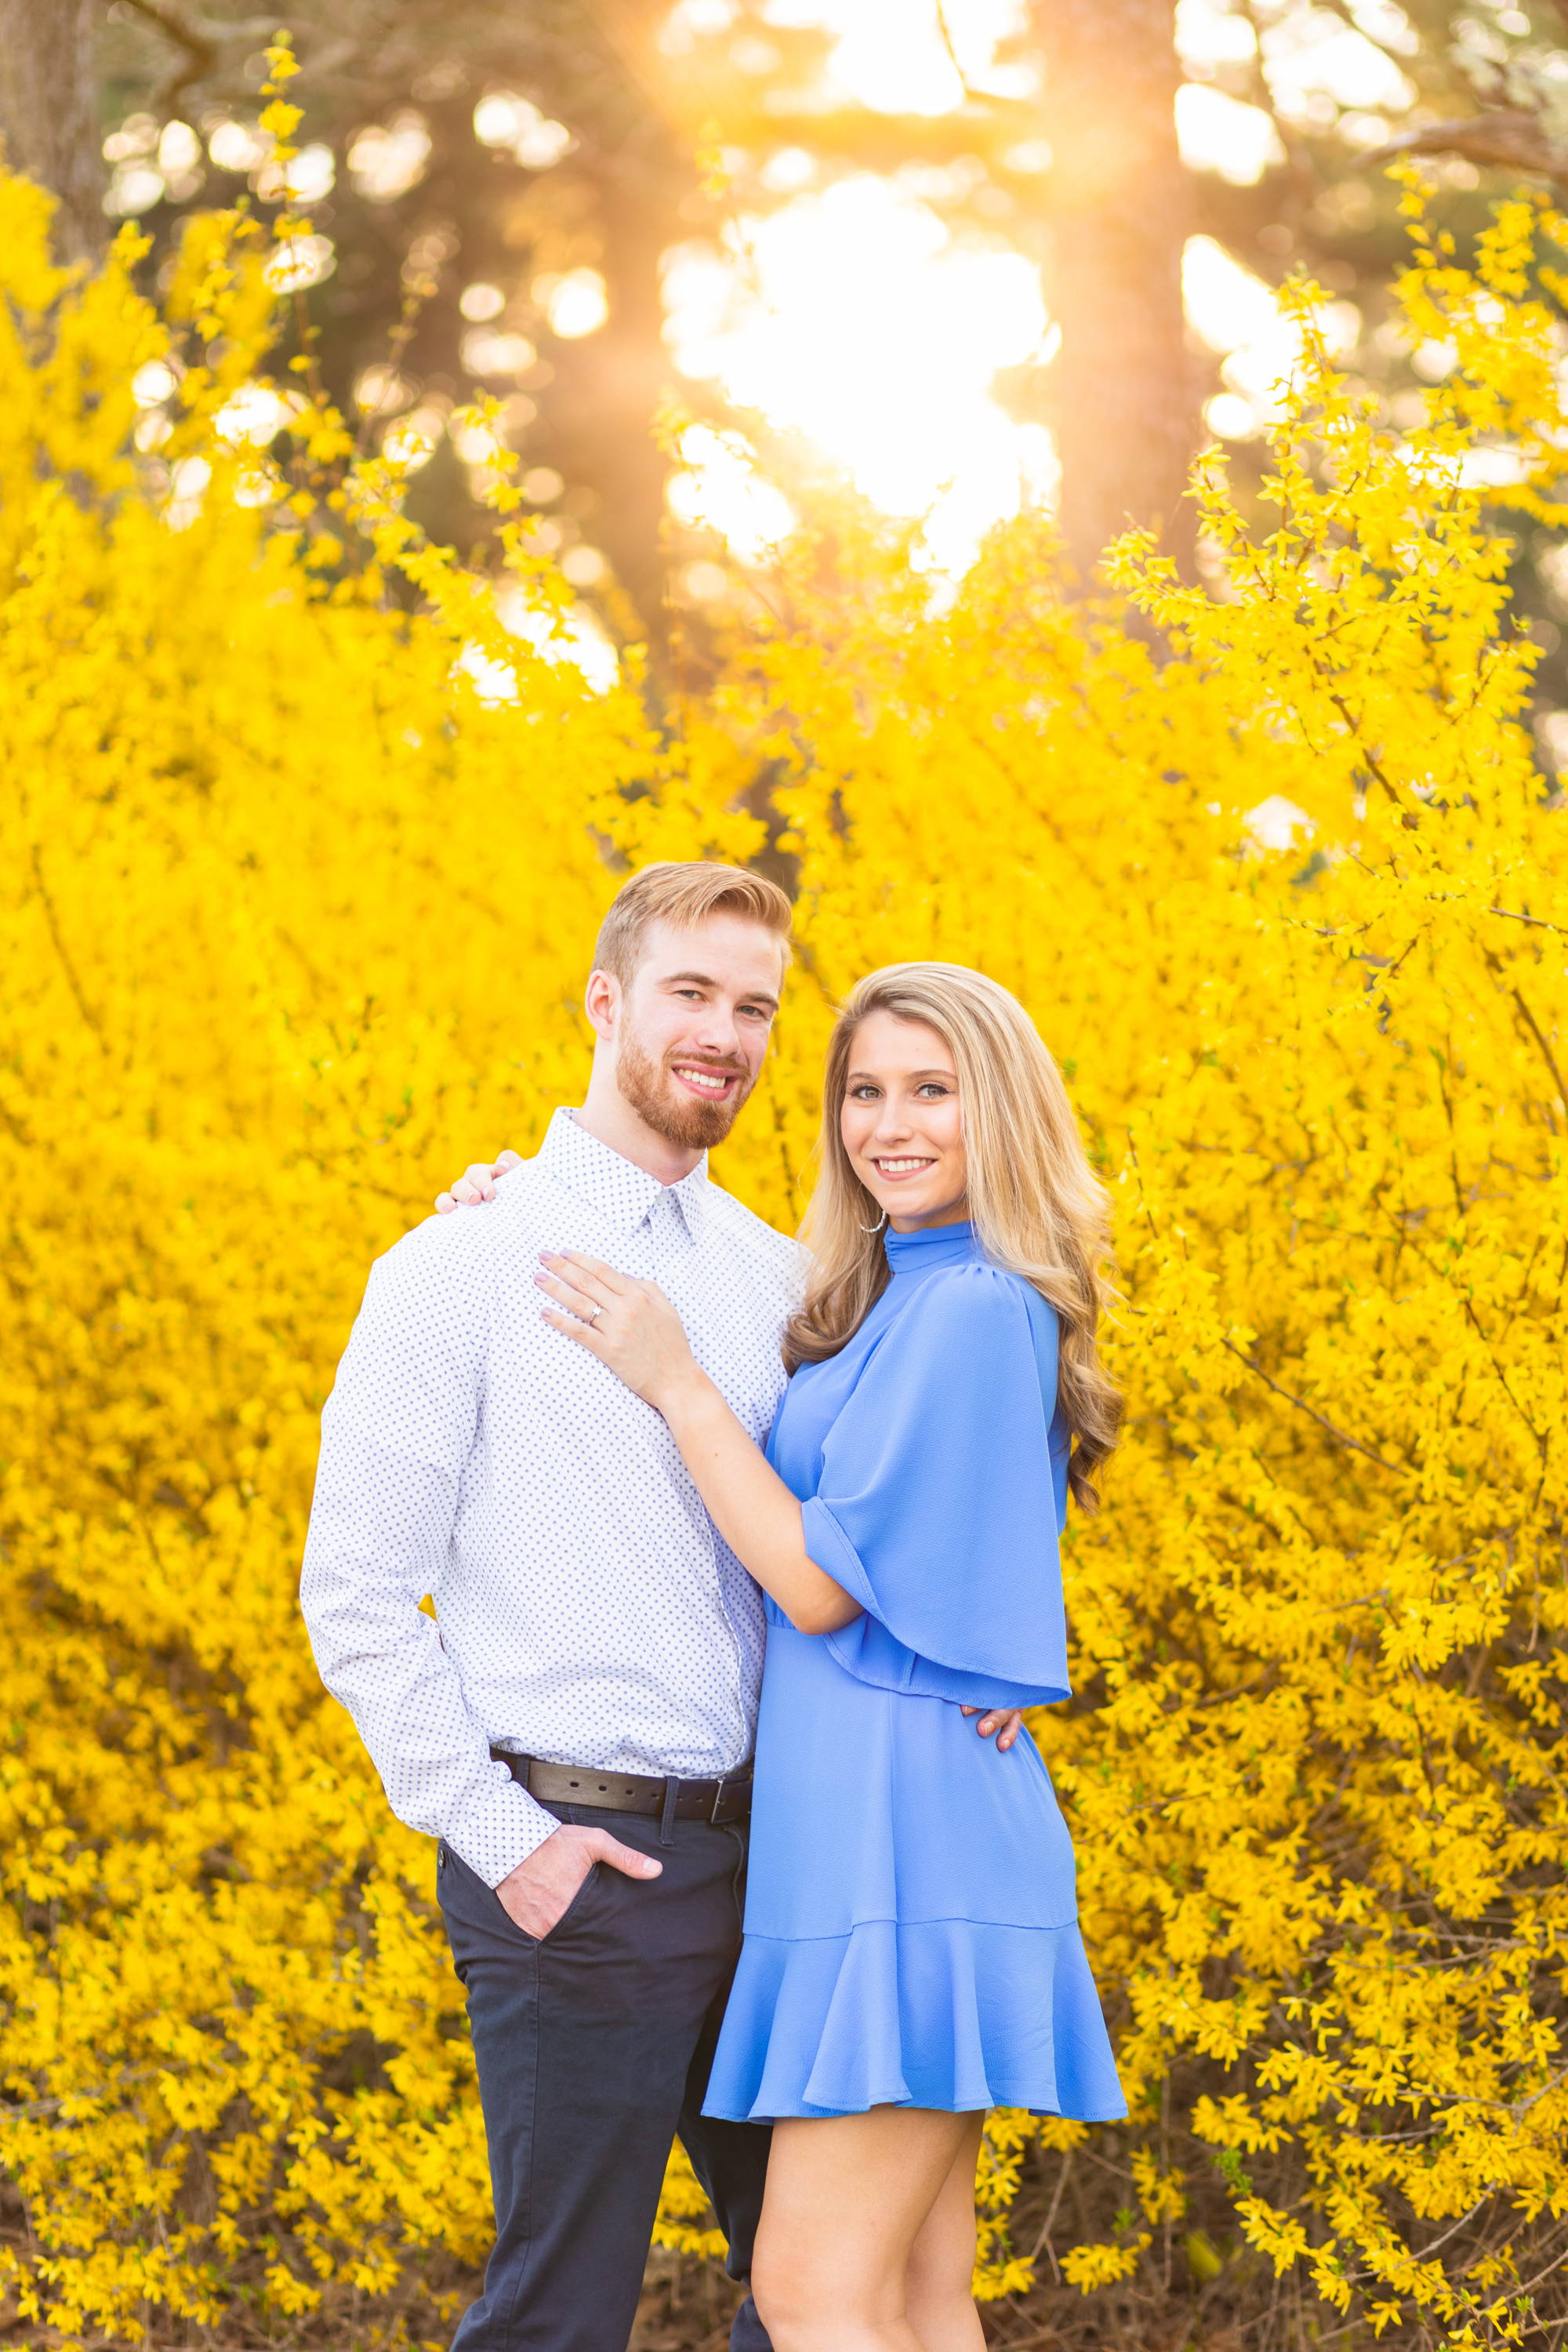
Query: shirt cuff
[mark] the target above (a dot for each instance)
(500, 1826)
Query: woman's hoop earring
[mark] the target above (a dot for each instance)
(878, 1226)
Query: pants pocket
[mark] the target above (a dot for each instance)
(577, 1904)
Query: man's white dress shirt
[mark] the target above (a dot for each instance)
(586, 1609)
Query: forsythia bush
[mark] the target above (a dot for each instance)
(302, 855)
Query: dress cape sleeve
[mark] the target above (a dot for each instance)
(936, 1508)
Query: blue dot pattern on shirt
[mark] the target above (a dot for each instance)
(587, 1610)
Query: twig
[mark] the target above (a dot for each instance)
(1539, 921)
(1341, 1437)
(1045, 2236)
(947, 41)
(1530, 1023)
(1424, 2254)
(83, 1007)
(200, 42)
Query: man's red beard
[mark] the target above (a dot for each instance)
(681, 1119)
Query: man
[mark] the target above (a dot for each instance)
(575, 1726)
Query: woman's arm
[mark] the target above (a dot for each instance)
(752, 1508)
(632, 1328)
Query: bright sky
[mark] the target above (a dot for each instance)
(852, 316)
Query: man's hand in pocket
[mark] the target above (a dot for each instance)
(537, 1895)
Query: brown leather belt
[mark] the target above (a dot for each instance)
(726, 1800)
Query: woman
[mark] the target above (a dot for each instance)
(911, 1955)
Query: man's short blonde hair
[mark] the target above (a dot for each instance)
(685, 894)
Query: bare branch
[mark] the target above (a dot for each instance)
(57, 937)
(1495, 967)
(1539, 921)
(201, 39)
(1340, 1436)
(947, 41)
(1505, 140)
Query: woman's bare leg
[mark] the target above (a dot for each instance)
(940, 2300)
(846, 2199)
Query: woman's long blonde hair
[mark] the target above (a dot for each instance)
(1037, 1208)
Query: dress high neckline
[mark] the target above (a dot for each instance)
(928, 1246)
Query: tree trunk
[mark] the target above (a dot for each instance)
(1123, 390)
(49, 112)
(607, 394)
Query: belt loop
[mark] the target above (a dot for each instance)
(666, 1814)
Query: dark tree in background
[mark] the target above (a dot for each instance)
(593, 177)
(1123, 393)
(1484, 101)
(51, 109)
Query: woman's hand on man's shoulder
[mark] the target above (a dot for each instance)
(477, 1184)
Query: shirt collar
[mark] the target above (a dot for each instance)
(621, 1191)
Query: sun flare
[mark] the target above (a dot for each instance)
(853, 316)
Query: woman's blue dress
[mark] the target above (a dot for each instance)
(912, 1928)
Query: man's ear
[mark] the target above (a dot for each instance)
(601, 1003)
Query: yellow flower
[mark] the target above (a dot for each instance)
(296, 879)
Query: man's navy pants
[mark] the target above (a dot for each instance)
(593, 2046)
